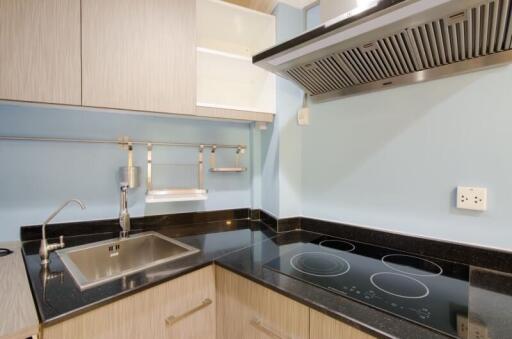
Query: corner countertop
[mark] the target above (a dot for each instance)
(19, 316)
(243, 247)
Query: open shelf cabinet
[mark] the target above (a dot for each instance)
(227, 81)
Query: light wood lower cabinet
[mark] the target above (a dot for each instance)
(40, 51)
(324, 327)
(206, 304)
(148, 314)
(248, 310)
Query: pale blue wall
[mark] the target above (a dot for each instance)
(270, 170)
(387, 160)
(313, 17)
(256, 161)
(281, 142)
(392, 159)
(36, 177)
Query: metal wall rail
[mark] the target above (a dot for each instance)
(121, 142)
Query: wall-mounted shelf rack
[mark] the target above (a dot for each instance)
(155, 195)
(121, 142)
(175, 194)
(234, 169)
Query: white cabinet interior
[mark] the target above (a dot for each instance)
(227, 38)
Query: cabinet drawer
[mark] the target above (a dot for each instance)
(181, 308)
(324, 327)
(248, 310)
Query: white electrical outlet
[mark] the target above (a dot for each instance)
(472, 198)
(475, 329)
(303, 116)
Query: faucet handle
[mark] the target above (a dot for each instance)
(52, 247)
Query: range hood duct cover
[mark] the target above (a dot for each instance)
(466, 40)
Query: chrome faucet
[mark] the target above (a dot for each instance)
(124, 216)
(46, 248)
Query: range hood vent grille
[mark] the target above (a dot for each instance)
(474, 32)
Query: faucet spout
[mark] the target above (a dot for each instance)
(45, 248)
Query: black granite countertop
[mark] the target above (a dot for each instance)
(241, 246)
(60, 298)
(249, 262)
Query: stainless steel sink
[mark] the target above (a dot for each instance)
(97, 263)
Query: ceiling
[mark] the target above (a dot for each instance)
(265, 6)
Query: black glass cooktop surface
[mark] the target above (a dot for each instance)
(431, 292)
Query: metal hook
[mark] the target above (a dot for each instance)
(201, 167)
(237, 157)
(213, 160)
(149, 183)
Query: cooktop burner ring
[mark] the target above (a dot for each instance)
(418, 283)
(351, 246)
(439, 269)
(345, 266)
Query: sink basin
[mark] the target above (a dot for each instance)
(99, 262)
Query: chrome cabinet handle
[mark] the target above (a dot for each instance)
(175, 318)
(256, 323)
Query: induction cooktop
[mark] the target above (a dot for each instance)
(430, 292)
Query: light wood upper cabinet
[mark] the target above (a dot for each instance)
(190, 299)
(248, 310)
(324, 327)
(40, 51)
(187, 57)
(139, 55)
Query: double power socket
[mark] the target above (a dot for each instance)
(472, 198)
(474, 329)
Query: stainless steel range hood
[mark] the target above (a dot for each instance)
(390, 43)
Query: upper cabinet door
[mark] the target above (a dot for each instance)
(40, 51)
(139, 55)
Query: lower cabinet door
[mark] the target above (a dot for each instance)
(183, 308)
(246, 310)
(324, 327)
